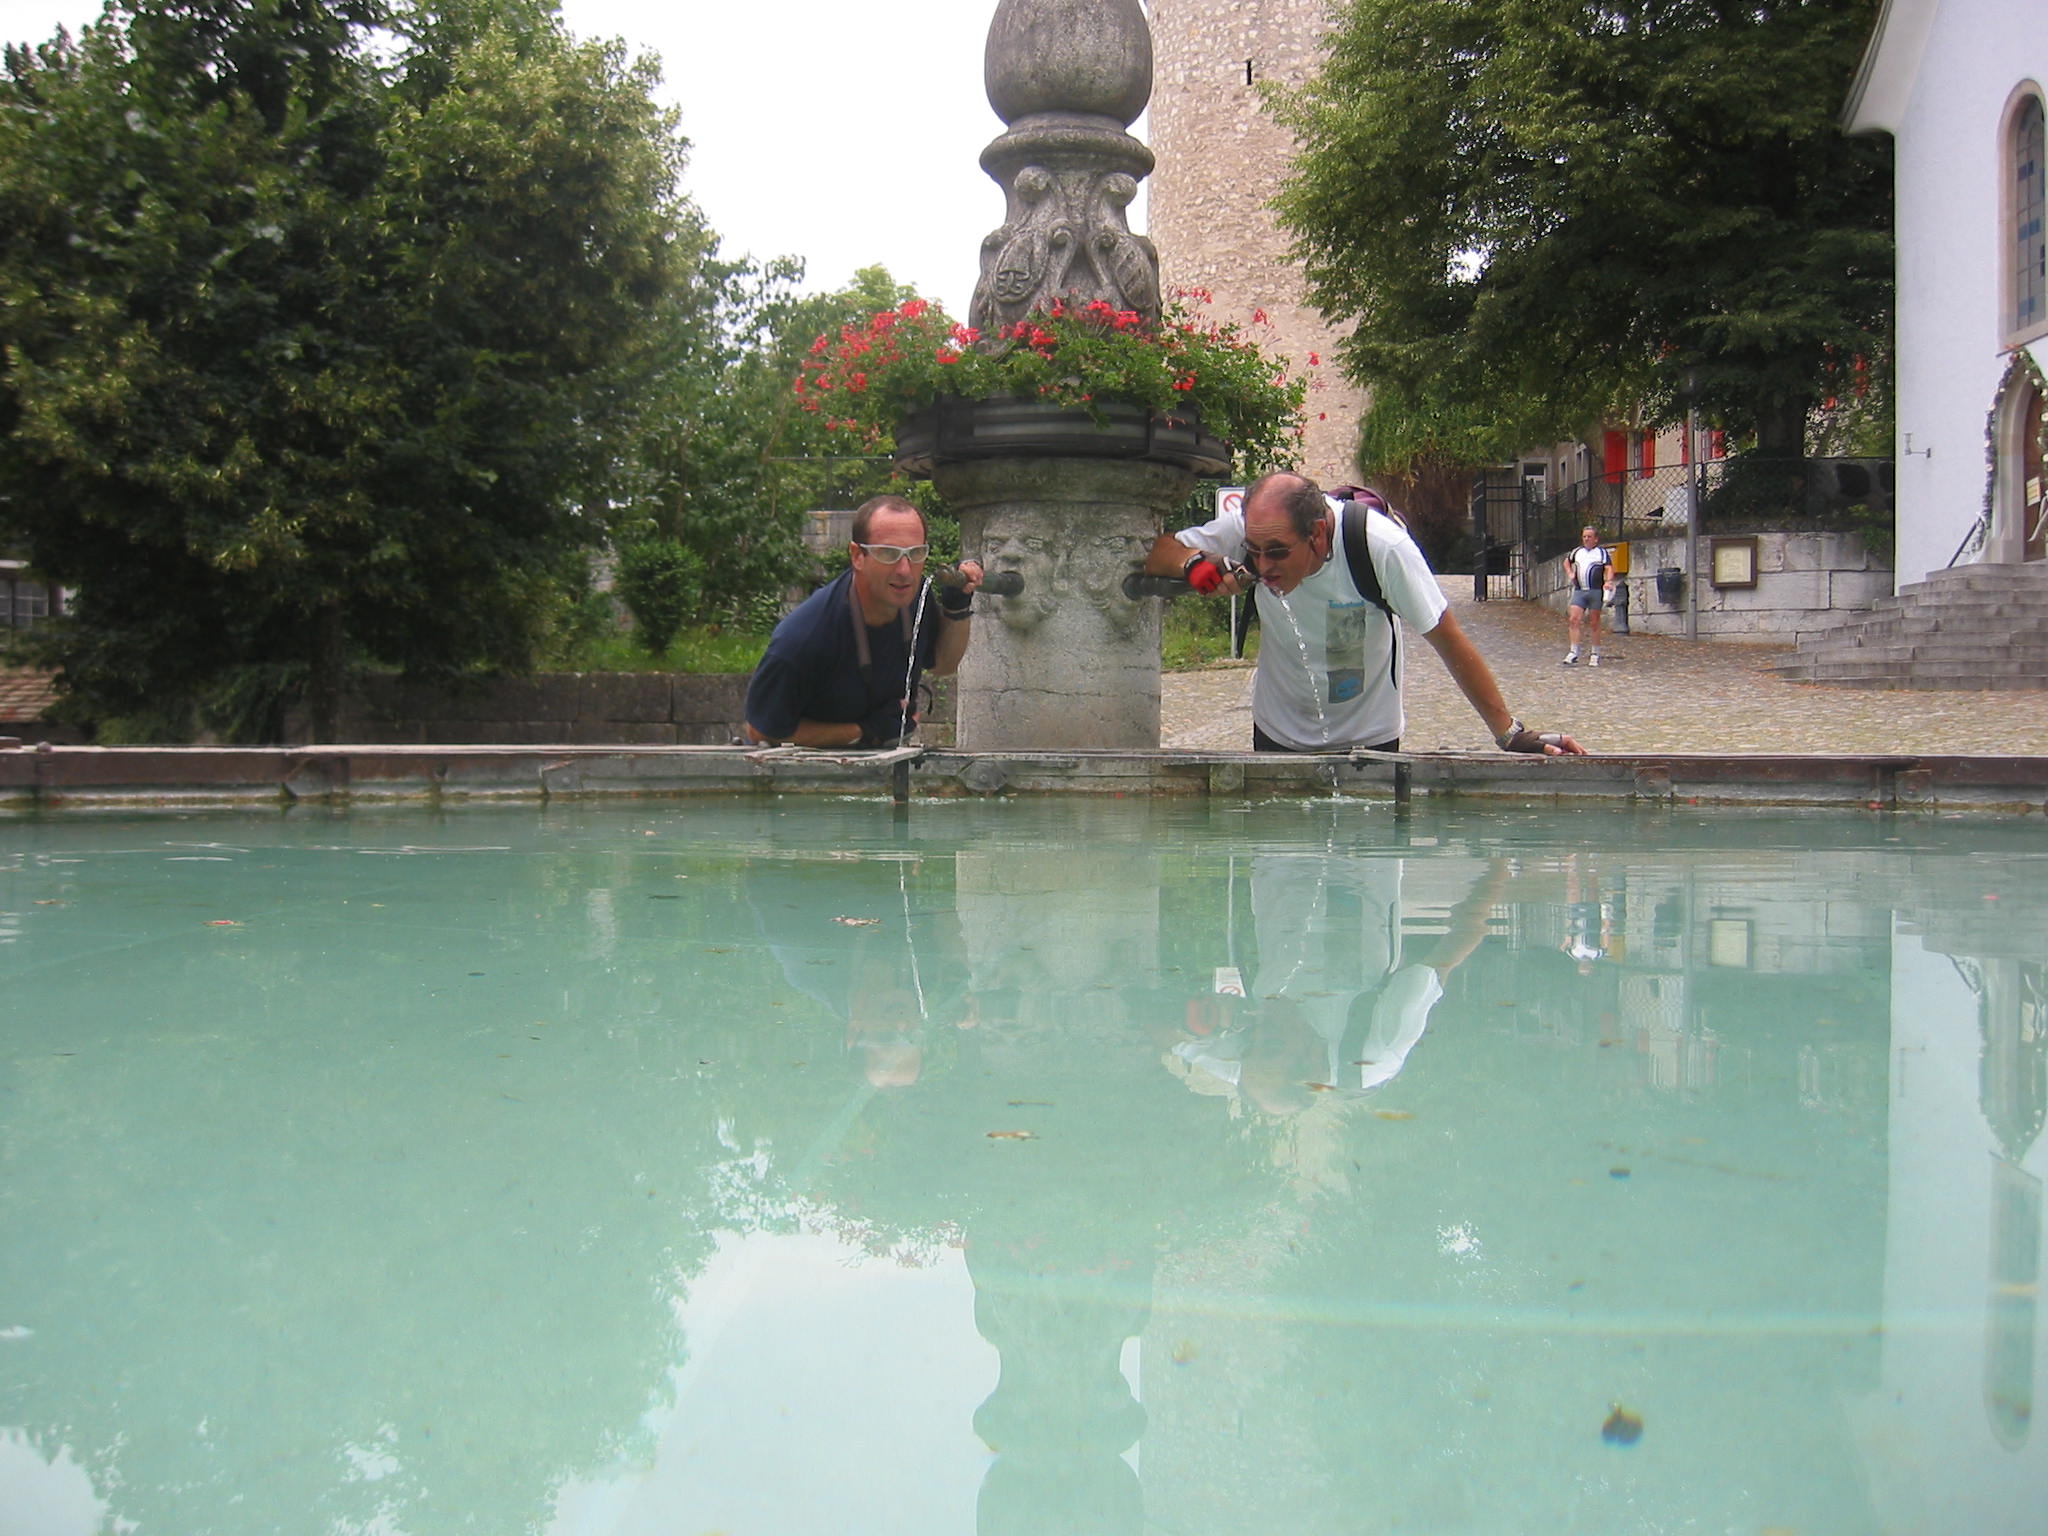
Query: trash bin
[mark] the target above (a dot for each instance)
(1670, 584)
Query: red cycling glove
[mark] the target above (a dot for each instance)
(1203, 574)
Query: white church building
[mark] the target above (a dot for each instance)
(1960, 86)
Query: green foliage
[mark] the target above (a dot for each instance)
(695, 648)
(1754, 492)
(1530, 209)
(866, 377)
(661, 582)
(1196, 633)
(723, 461)
(1857, 415)
(319, 322)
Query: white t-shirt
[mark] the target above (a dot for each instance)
(1329, 945)
(1329, 933)
(1329, 671)
(1582, 561)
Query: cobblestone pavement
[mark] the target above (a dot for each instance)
(1651, 693)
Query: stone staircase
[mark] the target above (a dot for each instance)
(1970, 627)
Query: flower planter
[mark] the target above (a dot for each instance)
(959, 431)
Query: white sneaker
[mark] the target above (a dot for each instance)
(1571, 657)
(1593, 660)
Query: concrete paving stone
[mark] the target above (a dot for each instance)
(1651, 693)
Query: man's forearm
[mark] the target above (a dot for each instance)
(1169, 557)
(953, 636)
(1470, 672)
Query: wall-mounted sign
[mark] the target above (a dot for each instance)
(1735, 562)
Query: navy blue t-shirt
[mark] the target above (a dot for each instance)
(811, 670)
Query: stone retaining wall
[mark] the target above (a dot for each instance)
(636, 709)
(1802, 581)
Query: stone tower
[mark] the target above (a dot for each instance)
(1220, 159)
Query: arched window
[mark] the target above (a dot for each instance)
(2027, 188)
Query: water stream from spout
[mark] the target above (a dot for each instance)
(924, 593)
(1314, 678)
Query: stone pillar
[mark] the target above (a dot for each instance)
(1070, 498)
(1070, 662)
(1067, 76)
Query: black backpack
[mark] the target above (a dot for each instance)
(1358, 555)
(1366, 577)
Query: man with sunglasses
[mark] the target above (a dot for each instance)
(1329, 669)
(839, 670)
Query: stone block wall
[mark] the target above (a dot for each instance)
(1804, 582)
(640, 709)
(1221, 159)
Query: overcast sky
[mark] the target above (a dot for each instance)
(848, 134)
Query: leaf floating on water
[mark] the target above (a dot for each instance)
(222, 922)
(1622, 1427)
(857, 922)
(1617, 1173)
(1013, 1135)
(1184, 1351)
(1395, 1114)
(1030, 1103)
(51, 901)
(1320, 1087)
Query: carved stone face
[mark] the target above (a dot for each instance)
(1099, 564)
(1036, 556)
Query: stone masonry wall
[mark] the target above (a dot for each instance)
(642, 709)
(1221, 159)
(1801, 579)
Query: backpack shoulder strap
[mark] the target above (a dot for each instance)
(1358, 555)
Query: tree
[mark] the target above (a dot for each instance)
(1538, 208)
(661, 582)
(320, 322)
(727, 464)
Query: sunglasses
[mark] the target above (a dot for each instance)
(890, 554)
(1275, 553)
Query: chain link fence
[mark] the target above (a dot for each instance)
(1515, 532)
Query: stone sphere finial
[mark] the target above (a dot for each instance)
(1068, 77)
(1087, 56)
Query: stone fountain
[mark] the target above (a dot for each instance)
(1069, 500)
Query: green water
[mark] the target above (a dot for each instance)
(796, 1166)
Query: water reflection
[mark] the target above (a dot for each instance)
(1336, 1002)
(1280, 1167)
